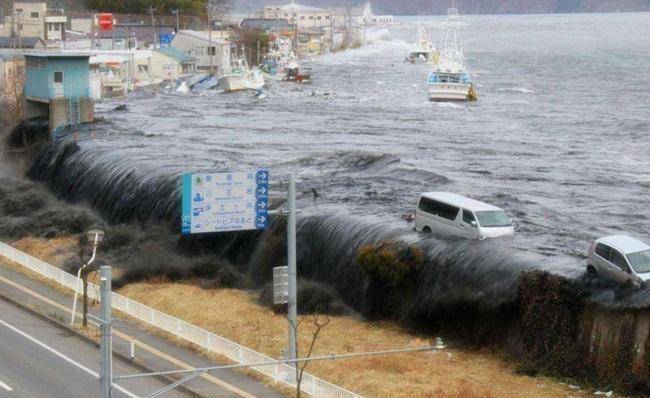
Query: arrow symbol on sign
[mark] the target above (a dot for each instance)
(261, 190)
(261, 219)
(261, 205)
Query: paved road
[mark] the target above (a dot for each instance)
(162, 354)
(38, 359)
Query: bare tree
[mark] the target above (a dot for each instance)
(318, 325)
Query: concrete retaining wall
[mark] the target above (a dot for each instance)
(12, 82)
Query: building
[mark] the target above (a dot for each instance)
(28, 19)
(170, 63)
(359, 16)
(313, 17)
(132, 36)
(57, 86)
(302, 15)
(267, 25)
(199, 46)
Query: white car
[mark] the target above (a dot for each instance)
(620, 258)
(446, 213)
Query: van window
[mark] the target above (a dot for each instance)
(468, 217)
(439, 209)
(618, 259)
(603, 251)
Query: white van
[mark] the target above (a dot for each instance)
(450, 214)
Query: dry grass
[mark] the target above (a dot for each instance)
(54, 251)
(451, 374)
(454, 373)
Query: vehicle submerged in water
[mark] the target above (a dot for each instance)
(620, 258)
(450, 80)
(446, 213)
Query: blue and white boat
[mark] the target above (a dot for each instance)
(449, 80)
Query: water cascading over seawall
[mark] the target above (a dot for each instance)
(543, 308)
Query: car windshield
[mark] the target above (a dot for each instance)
(640, 261)
(495, 218)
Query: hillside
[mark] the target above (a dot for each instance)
(427, 7)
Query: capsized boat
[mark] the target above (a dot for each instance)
(241, 77)
(423, 50)
(449, 80)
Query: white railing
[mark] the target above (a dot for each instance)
(279, 372)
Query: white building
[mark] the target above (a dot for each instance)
(34, 20)
(304, 16)
(310, 17)
(202, 48)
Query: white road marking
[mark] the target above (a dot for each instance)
(5, 386)
(64, 357)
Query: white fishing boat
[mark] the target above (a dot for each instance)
(241, 77)
(449, 80)
(423, 50)
(274, 65)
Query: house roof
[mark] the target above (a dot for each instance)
(300, 7)
(264, 23)
(52, 54)
(25, 42)
(176, 54)
(200, 36)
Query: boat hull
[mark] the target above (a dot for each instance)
(233, 83)
(448, 92)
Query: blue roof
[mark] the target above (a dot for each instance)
(175, 53)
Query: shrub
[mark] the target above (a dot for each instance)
(391, 269)
(390, 264)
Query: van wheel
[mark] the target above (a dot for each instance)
(591, 270)
(426, 230)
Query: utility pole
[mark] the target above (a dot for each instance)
(210, 47)
(292, 312)
(177, 12)
(152, 11)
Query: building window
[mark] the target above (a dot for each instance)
(302, 17)
(327, 17)
(311, 17)
(58, 76)
(34, 15)
(319, 17)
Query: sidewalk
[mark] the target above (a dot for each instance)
(152, 352)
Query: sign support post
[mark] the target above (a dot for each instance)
(291, 261)
(106, 349)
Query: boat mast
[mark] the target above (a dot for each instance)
(450, 52)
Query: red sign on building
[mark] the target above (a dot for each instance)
(105, 21)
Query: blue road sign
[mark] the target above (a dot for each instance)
(225, 202)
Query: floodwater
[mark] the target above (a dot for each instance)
(559, 136)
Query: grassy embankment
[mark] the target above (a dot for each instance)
(235, 314)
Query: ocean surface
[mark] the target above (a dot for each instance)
(558, 138)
